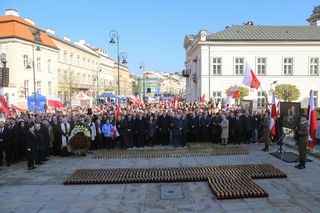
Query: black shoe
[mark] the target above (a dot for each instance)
(8, 164)
(302, 166)
(39, 163)
(265, 149)
(297, 166)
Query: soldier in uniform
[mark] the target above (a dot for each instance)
(302, 136)
(266, 130)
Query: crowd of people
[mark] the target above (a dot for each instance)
(33, 137)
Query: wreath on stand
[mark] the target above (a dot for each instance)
(79, 142)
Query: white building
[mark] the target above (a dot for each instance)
(106, 71)
(27, 48)
(286, 54)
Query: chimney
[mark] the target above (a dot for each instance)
(11, 12)
(51, 31)
(82, 41)
(30, 21)
(66, 38)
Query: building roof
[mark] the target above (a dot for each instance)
(70, 43)
(16, 27)
(267, 33)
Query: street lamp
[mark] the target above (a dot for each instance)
(114, 35)
(143, 81)
(34, 75)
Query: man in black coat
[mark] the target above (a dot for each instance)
(247, 121)
(14, 141)
(122, 127)
(5, 144)
(140, 126)
(185, 129)
(130, 130)
(164, 128)
(32, 145)
(177, 128)
(46, 136)
(205, 122)
(232, 127)
(215, 129)
(193, 127)
(239, 127)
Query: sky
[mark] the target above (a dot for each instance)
(152, 31)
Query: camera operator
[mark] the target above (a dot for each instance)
(302, 132)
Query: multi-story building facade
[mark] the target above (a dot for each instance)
(77, 67)
(170, 83)
(106, 71)
(277, 54)
(125, 83)
(27, 49)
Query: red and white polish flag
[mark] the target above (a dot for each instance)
(233, 94)
(175, 102)
(312, 115)
(273, 117)
(203, 98)
(54, 101)
(250, 79)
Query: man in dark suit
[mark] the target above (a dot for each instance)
(193, 127)
(5, 144)
(247, 120)
(140, 129)
(164, 125)
(239, 127)
(14, 149)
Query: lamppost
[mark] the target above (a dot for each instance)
(143, 81)
(114, 35)
(34, 76)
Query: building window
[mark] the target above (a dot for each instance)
(49, 88)
(39, 87)
(314, 66)
(71, 58)
(261, 66)
(78, 60)
(261, 101)
(84, 62)
(239, 66)
(65, 57)
(315, 97)
(26, 88)
(38, 63)
(216, 63)
(217, 95)
(288, 66)
(49, 66)
(25, 60)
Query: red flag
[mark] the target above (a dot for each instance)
(273, 117)
(4, 106)
(235, 92)
(133, 100)
(115, 132)
(203, 98)
(250, 79)
(118, 111)
(175, 102)
(312, 117)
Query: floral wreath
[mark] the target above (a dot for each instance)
(79, 141)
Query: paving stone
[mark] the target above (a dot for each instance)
(299, 192)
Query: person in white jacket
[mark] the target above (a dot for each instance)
(92, 127)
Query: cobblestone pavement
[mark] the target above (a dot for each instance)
(41, 190)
